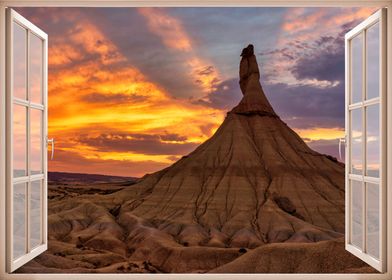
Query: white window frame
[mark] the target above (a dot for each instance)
(191, 3)
(12, 263)
(377, 17)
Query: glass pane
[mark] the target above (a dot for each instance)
(373, 141)
(372, 220)
(36, 141)
(373, 61)
(36, 63)
(35, 222)
(20, 141)
(19, 61)
(19, 220)
(356, 141)
(356, 64)
(356, 208)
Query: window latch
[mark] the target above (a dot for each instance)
(341, 140)
(51, 141)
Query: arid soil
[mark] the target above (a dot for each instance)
(66, 256)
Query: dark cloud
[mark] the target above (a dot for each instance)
(173, 137)
(346, 27)
(139, 143)
(306, 106)
(324, 58)
(226, 96)
(115, 98)
(300, 45)
(208, 70)
(325, 63)
(325, 40)
(286, 52)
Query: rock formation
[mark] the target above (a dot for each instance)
(254, 182)
(248, 66)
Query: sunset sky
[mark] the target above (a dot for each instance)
(131, 90)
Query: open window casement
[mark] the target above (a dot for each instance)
(366, 140)
(26, 140)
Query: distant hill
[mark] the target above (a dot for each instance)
(80, 178)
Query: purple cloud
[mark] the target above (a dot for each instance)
(138, 143)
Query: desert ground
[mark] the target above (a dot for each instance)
(67, 256)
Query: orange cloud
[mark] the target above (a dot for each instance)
(82, 40)
(94, 42)
(296, 21)
(168, 28)
(81, 91)
(63, 54)
(320, 133)
(354, 14)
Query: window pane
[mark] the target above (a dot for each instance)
(19, 220)
(36, 141)
(35, 214)
(356, 141)
(36, 63)
(20, 141)
(19, 61)
(356, 212)
(373, 61)
(373, 141)
(356, 57)
(372, 220)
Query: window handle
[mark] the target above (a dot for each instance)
(51, 141)
(341, 140)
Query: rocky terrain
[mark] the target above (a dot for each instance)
(254, 198)
(65, 256)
